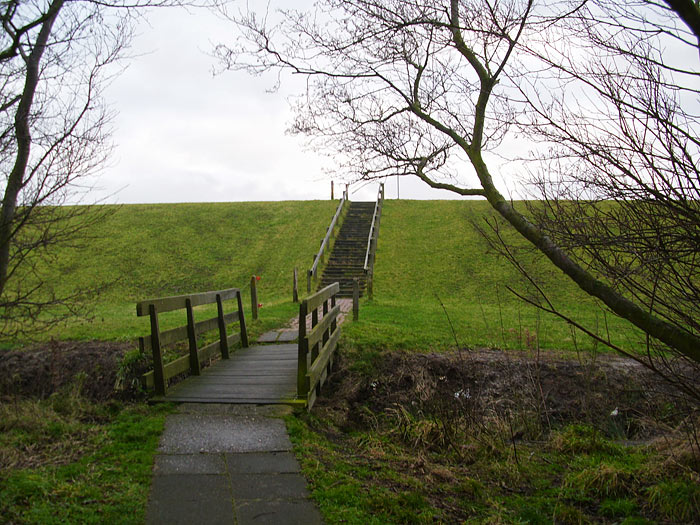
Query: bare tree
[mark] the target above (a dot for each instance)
(630, 137)
(431, 88)
(56, 57)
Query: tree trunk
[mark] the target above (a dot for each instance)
(15, 181)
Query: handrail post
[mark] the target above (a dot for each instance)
(158, 372)
(308, 282)
(241, 320)
(254, 297)
(195, 368)
(302, 354)
(223, 338)
(314, 322)
(326, 333)
(334, 322)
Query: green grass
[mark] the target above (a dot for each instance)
(158, 250)
(370, 475)
(429, 256)
(437, 283)
(79, 462)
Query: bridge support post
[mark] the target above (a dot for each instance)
(241, 320)
(195, 368)
(223, 338)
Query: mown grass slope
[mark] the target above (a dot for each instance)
(146, 251)
(438, 282)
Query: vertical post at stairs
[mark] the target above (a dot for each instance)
(295, 287)
(254, 297)
(355, 299)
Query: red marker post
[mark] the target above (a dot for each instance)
(254, 296)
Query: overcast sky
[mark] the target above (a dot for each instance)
(185, 135)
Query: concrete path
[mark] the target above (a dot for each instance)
(229, 464)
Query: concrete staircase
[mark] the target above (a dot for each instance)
(348, 257)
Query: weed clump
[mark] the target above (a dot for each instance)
(678, 501)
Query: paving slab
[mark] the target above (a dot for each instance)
(166, 464)
(268, 486)
(269, 337)
(252, 411)
(186, 499)
(288, 336)
(295, 512)
(225, 458)
(195, 433)
(262, 463)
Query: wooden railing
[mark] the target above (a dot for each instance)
(158, 378)
(317, 346)
(324, 243)
(372, 241)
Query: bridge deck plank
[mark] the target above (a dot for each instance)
(257, 375)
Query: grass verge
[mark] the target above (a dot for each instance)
(69, 460)
(410, 438)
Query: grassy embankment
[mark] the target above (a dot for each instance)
(428, 255)
(145, 251)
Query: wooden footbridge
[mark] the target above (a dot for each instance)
(263, 374)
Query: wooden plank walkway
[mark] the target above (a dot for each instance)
(263, 374)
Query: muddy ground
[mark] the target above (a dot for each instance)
(549, 390)
(41, 370)
(534, 394)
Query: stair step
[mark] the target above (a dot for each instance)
(347, 258)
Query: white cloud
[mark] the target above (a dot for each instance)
(185, 135)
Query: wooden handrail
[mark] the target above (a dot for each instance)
(158, 378)
(375, 225)
(316, 347)
(324, 243)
